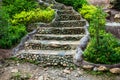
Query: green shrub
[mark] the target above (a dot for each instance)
(79, 3)
(103, 47)
(97, 24)
(15, 15)
(97, 18)
(107, 53)
(3, 22)
(116, 4)
(16, 6)
(75, 3)
(87, 11)
(12, 36)
(37, 15)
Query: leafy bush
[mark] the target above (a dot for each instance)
(16, 6)
(75, 3)
(14, 15)
(12, 36)
(37, 15)
(3, 22)
(116, 4)
(103, 47)
(79, 3)
(87, 11)
(96, 16)
(107, 53)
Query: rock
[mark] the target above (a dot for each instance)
(117, 15)
(54, 45)
(104, 3)
(14, 70)
(66, 71)
(101, 68)
(40, 78)
(55, 64)
(95, 69)
(64, 65)
(87, 66)
(77, 75)
(80, 73)
(45, 69)
(115, 70)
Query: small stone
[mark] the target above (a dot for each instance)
(80, 73)
(71, 69)
(54, 45)
(87, 66)
(45, 69)
(40, 78)
(115, 70)
(18, 64)
(66, 71)
(95, 69)
(48, 63)
(55, 64)
(14, 70)
(78, 69)
(102, 68)
(64, 65)
(117, 16)
(76, 75)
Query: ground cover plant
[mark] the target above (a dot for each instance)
(75, 3)
(103, 47)
(37, 15)
(15, 15)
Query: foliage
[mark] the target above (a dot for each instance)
(75, 3)
(97, 50)
(15, 15)
(12, 36)
(87, 11)
(107, 53)
(98, 20)
(3, 22)
(90, 12)
(9, 34)
(116, 4)
(36, 15)
(16, 6)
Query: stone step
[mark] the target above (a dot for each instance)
(69, 23)
(48, 52)
(57, 37)
(65, 12)
(51, 45)
(61, 7)
(62, 30)
(49, 1)
(58, 6)
(49, 57)
(64, 17)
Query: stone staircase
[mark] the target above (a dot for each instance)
(56, 43)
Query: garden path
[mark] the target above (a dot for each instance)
(55, 43)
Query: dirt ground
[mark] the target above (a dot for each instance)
(36, 72)
(5, 53)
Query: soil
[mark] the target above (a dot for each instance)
(37, 72)
(5, 53)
